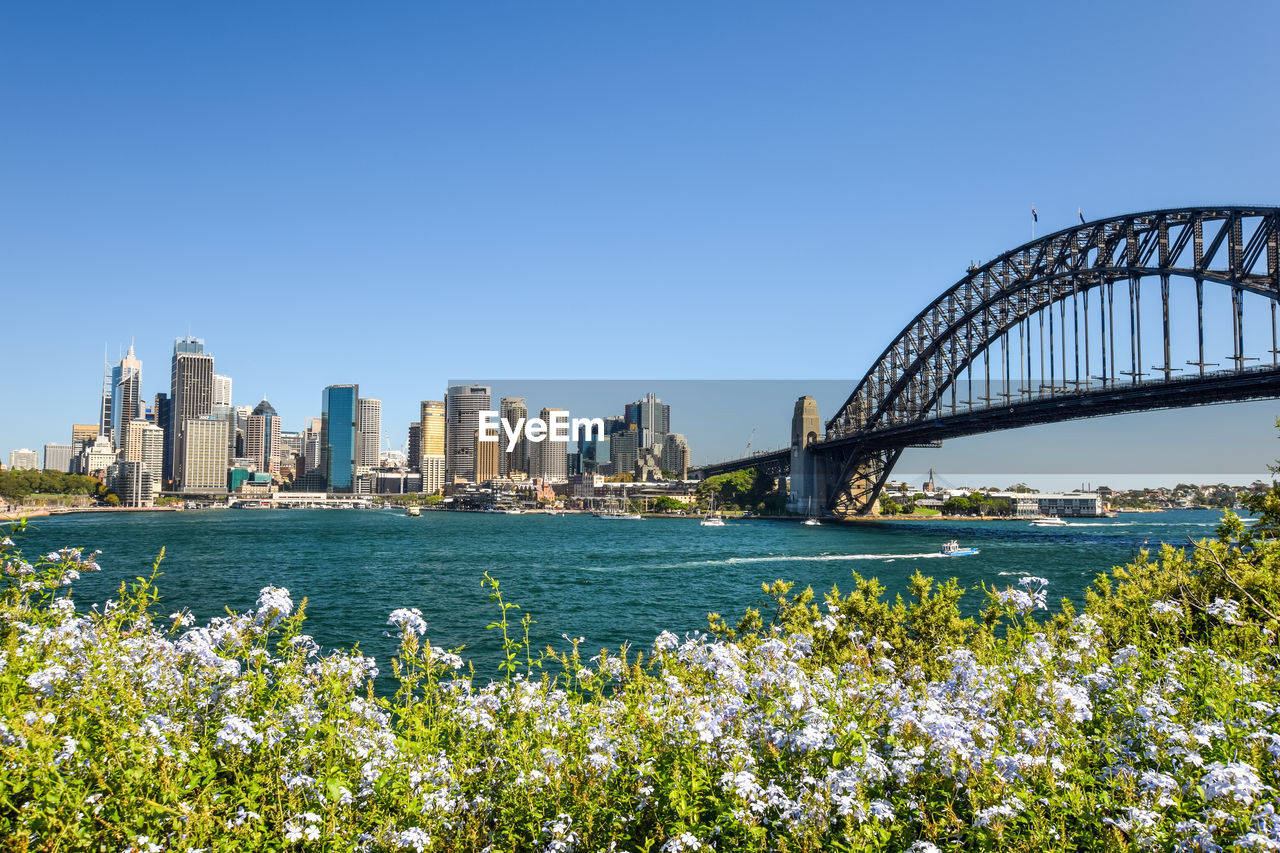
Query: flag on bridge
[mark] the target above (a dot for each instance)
(1034, 217)
(1080, 213)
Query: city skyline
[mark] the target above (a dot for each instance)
(778, 179)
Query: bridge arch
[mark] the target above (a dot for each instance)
(1233, 247)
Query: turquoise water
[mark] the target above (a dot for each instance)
(607, 581)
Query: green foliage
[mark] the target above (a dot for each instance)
(662, 503)
(747, 489)
(17, 485)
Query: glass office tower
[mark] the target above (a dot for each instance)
(339, 413)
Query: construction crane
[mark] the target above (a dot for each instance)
(749, 440)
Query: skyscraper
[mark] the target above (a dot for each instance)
(432, 427)
(651, 416)
(191, 393)
(675, 455)
(204, 456)
(262, 438)
(414, 447)
(221, 390)
(511, 410)
(624, 450)
(552, 454)
(126, 396)
(338, 437)
(486, 459)
(369, 427)
(463, 405)
(162, 409)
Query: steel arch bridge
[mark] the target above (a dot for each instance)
(989, 320)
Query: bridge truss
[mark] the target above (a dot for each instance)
(1043, 293)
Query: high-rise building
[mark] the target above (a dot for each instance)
(191, 395)
(463, 405)
(433, 416)
(651, 416)
(204, 456)
(235, 427)
(369, 429)
(151, 452)
(552, 454)
(97, 457)
(262, 438)
(486, 459)
(414, 448)
(338, 437)
(57, 457)
(624, 450)
(162, 409)
(511, 410)
(221, 390)
(675, 455)
(126, 396)
(82, 435)
(23, 460)
(104, 408)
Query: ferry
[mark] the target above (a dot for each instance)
(1049, 521)
(412, 511)
(953, 549)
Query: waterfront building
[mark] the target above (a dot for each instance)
(675, 455)
(463, 405)
(338, 438)
(126, 396)
(624, 450)
(511, 410)
(486, 459)
(98, 457)
(131, 482)
(1057, 504)
(191, 393)
(24, 460)
(433, 466)
(204, 456)
(57, 457)
(369, 429)
(262, 438)
(221, 390)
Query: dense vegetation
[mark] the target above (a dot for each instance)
(1149, 720)
(16, 486)
(748, 489)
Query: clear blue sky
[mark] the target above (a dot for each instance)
(404, 193)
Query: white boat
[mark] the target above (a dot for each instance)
(712, 520)
(1051, 521)
(812, 520)
(513, 511)
(953, 549)
(412, 511)
(619, 516)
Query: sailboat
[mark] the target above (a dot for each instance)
(812, 520)
(712, 520)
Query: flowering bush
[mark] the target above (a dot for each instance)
(1147, 721)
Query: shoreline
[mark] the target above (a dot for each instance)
(44, 512)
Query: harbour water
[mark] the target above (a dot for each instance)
(607, 581)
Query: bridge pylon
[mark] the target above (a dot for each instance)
(805, 494)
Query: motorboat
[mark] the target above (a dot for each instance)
(953, 549)
(1050, 521)
(412, 511)
(619, 516)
